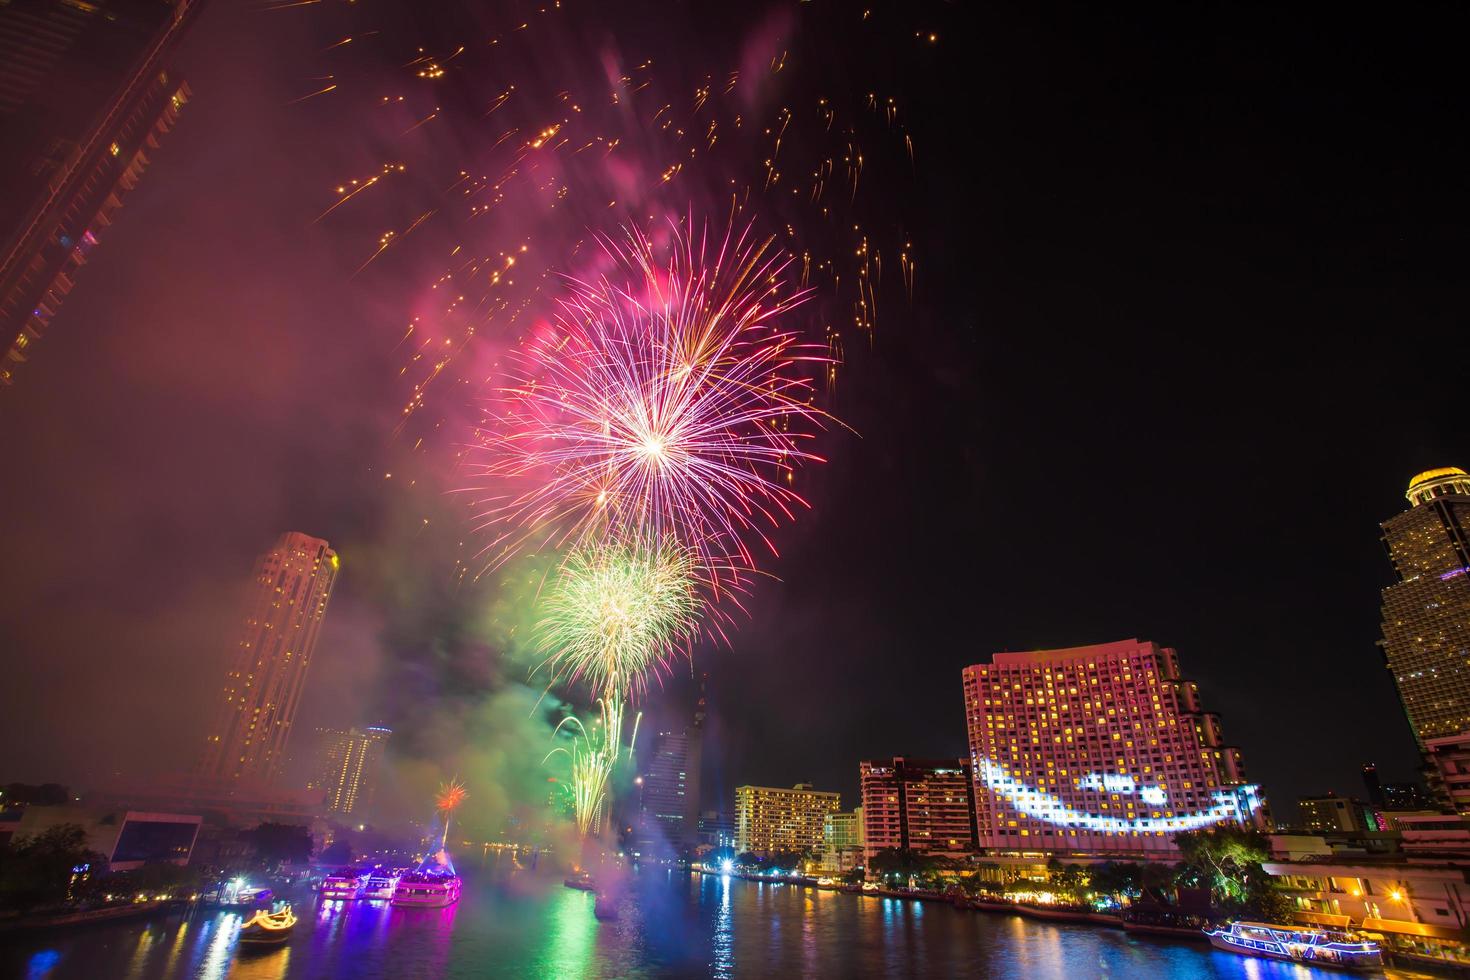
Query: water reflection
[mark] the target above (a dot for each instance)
(518, 922)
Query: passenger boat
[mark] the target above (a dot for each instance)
(581, 881)
(344, 886)
(605, 907)
(1298, 944)
(426, 890)
(268, 928)
(380, 886)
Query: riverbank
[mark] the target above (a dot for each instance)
(81, 917)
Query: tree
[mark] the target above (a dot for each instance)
(278, 843)
(339, 852)
(1227, 859)
(748, 859)
(900, 862)
(1120, 879)
(855, 876)
(37, 870)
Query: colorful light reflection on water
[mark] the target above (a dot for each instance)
(519, 923)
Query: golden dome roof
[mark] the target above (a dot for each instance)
(1428, 475)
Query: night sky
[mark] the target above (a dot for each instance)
(1189, 316)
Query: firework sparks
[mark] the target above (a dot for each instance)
(668, 400)
(594, 756)
(451, 795)
(616, 612)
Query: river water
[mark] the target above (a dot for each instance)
(515, 922)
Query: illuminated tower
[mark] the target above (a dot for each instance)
(1098, 749)
(1426, 614)
(292, 584)
(85, 97)
(346, 769)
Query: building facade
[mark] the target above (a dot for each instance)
(769, 820)
(346, 768)
(292, 584)
(1426, 613)
(923, 805)
(1330, 814)
(668, 819)
(85, 98)
(1098, 750)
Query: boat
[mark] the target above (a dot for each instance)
(426, 890)
(268, 928)
(344, 886)
(606, 907)
(1149, 919)
(581, 881)
(1298, 944)
(380, 886)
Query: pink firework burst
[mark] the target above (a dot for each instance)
(668, 398)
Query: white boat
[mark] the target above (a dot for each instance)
(426, 890)
(344, 886)
(380, 886)
(1298, 944)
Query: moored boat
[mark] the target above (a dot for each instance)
(380, 886)
(426, 890)
(1298, 944)
(581, 881)
(345, 885)
(268, 928)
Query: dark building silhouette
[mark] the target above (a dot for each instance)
(85, 97)
(668, 819)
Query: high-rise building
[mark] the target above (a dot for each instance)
(844, 829)
(1330, 814)
(770, 821)
(668, 810)
(923, 805)
(85, 97)
(1426, 613)
(292, 583)
(1096, 749)
(346, 767)
(716, 829)
(669, 804)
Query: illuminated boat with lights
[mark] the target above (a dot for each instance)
(1298, 944)
(582, 881)
(268, 928)
(427, 890)
(344, 886)
(380, 886)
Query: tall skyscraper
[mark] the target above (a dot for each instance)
(346, 767)
(770, 821)
(292, 584)
(85, 96)
(1426, 613)
(923, 805)
(668, 817)
(1097, 749)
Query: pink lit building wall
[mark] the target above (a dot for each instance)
(1097, 749)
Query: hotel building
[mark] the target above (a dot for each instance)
(923, 805)
(86, 96)
(346, 770)
(775, 821)
(1097, 749)
(1426, 613)
(292, 584)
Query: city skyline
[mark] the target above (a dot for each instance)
(1031, 345)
